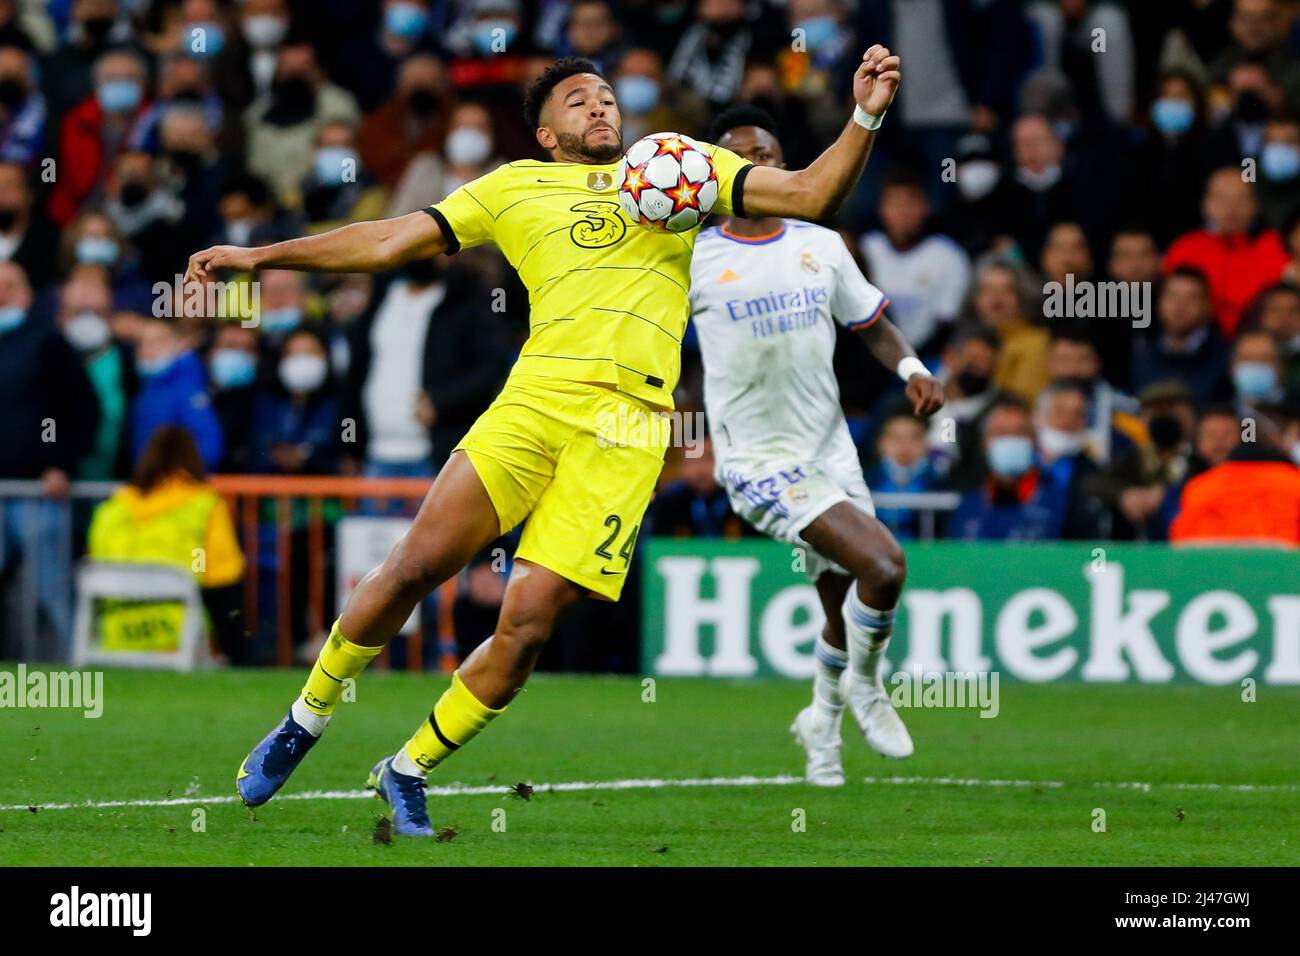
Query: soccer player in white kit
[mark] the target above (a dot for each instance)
(764, 296)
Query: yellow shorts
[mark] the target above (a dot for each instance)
(581, 463)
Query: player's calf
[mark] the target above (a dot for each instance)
(490, 677)
(455, 521)
(535, 599)
(865, 547)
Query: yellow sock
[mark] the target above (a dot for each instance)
(339, 659)
(456, 719)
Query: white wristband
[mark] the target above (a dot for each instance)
(866, 120)
(912, 366)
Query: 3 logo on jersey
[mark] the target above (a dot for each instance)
(601, 224)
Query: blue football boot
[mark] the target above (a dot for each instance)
(265, 770)
(405, 794)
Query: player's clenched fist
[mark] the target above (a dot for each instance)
(926, 395)
(203, 264)
(876, 80)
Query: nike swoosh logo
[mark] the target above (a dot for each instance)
(551, 181)
(603, 571)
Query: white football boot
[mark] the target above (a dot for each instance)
(880, 723)
(822, 744)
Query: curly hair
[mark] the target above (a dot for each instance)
(742, 114)
(540, 89)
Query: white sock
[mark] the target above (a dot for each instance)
(867, 631)
(404, 764)
(828, 702)
(313, 723)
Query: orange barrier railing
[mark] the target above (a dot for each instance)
(245, 495)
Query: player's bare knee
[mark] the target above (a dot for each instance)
(525, 630)
(883, 573)
(412, 573)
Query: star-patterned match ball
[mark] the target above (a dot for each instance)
(667, 182)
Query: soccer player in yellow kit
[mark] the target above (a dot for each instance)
(608, 306)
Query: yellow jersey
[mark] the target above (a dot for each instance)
(608, 299)
(171, 524)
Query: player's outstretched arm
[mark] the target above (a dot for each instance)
(889, 347)
(817, 191)
(360, 247)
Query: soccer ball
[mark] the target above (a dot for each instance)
(667, 182)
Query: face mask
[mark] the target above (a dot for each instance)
(423, 102)
(467, 146)
(903, 475)
(133, 194)
(1251, 108)
(264, 31)
(188, 161)
(1171, 116)
(152, 368)
(1039, 182)
(87, 332)
(978, 178)
(281, 320)
(295, 97)
(118, 96)
(1059, 444)
(13, 94)
(204, 39)
(232, 368)
(818, 31)
(1280, 162)
(191, 94)
(239, 231)
(336, 165)
(486, 38)
(636, 94)
(303, 373)
(98, 28)
(406, 20)
(972, 383)
(1165, 431)
(1254, 379)
(1011, 455)
(11, 316)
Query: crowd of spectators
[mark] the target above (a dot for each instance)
(1035, 146)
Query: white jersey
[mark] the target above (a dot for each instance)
(765, 311)
(927, 283)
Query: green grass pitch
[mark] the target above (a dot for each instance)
(1059, 752)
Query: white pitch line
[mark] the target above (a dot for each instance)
(577, 786)
(1100, 784)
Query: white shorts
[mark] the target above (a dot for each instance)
(781, 501)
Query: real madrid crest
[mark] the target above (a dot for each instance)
(808, 263)
(600, 182)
